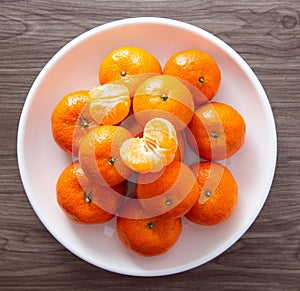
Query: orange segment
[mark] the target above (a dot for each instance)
(138, 155)
(161, 135)
(154, 150)
(110, 103)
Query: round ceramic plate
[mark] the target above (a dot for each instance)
(76, 67)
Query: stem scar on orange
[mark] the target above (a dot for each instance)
(83, 201)
(199, 69)
(125, 61)
(147, 236)
(70, 121)
(218, 131)
(99, 155)
(219, 194)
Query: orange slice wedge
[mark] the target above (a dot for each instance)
(155, 150)
(110, 103)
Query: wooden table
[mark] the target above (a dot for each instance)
(265, 33)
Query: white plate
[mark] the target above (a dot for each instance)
(75, 67)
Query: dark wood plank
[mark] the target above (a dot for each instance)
(266, 34)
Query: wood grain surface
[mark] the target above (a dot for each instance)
(265, 33)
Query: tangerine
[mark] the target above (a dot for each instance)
(70, 121)
(217, 131)
(127, 61)
(166, 97)
(219, 194)
(99, 155)
(169, 193)
(147, 236)
(199, 69)
(85, 202)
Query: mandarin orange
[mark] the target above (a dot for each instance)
(85, 202)
(199, 69)
(99, 155)
(71, 121)
(166, 97)
(217, 131)
(147, 236)
(219, 194)
(169, 193)
(127, 61)
(132, 82)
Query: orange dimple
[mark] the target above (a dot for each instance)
(127, 61)
(154, 150)
(199, 69)
(219, 194)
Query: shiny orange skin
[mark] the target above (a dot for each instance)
(83, 201)
(127, 61)
(71, 121)
(166, 97)
(217, 131)
(221, 186)
(169, 193)
(146, 236)
(99, 155)
(198, 68)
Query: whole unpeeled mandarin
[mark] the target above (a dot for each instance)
(85, 202)
(199, 69)
(99, 155)
(166, 97)
(216, 131)
(126, 61)
(147, 236)
(219, 194)
(169, 193)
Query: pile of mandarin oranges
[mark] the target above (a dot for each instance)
(130, 139)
